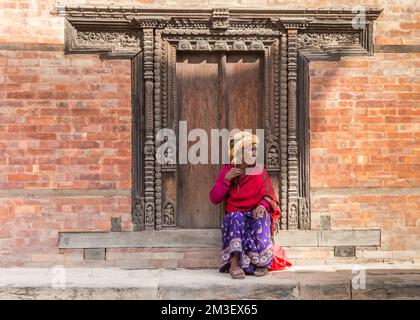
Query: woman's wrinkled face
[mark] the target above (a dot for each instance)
(249, 155)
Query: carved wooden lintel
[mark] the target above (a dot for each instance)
(287, 38)
(114, 31)
(111, 43)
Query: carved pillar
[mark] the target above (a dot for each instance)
(158, 125)
(149, 149)
(303, 141)
(292, 160)
(283, 131)
(137, 121)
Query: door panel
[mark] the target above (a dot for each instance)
(197, 94)
(244, 84)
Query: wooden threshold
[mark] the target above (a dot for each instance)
(211, 238)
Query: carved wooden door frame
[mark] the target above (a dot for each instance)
(150, 37)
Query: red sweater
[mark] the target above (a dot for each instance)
(245, 198)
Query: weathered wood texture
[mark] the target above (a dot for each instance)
(198, 105)
(211, 238)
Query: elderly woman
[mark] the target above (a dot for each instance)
(251, 210)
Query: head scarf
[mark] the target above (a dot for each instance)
(241, 140)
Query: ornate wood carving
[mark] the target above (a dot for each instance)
(322, 40)
(149, 149)
(137, 140)
(283, 131)
(111, 43)
(169, 217)
(292, 160)
(303, 132)
(288, 39)
(220, 18)
(158, 125)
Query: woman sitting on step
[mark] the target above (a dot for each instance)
(251, 210)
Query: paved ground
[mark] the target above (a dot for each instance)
(379, 281)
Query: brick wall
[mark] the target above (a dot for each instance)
(365, 130)
(65, 128)
(65, 124)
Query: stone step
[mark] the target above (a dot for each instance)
(311, 282)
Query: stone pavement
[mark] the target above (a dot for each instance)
(376, 281)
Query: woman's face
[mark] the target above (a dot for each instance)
(249, 155)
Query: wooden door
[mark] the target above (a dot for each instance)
(214, 91)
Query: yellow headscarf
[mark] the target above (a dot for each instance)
(241, 140)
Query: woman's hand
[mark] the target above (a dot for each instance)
(258, 212)
(233, 173)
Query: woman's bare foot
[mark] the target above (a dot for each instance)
(260, 271)
(235, 271)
